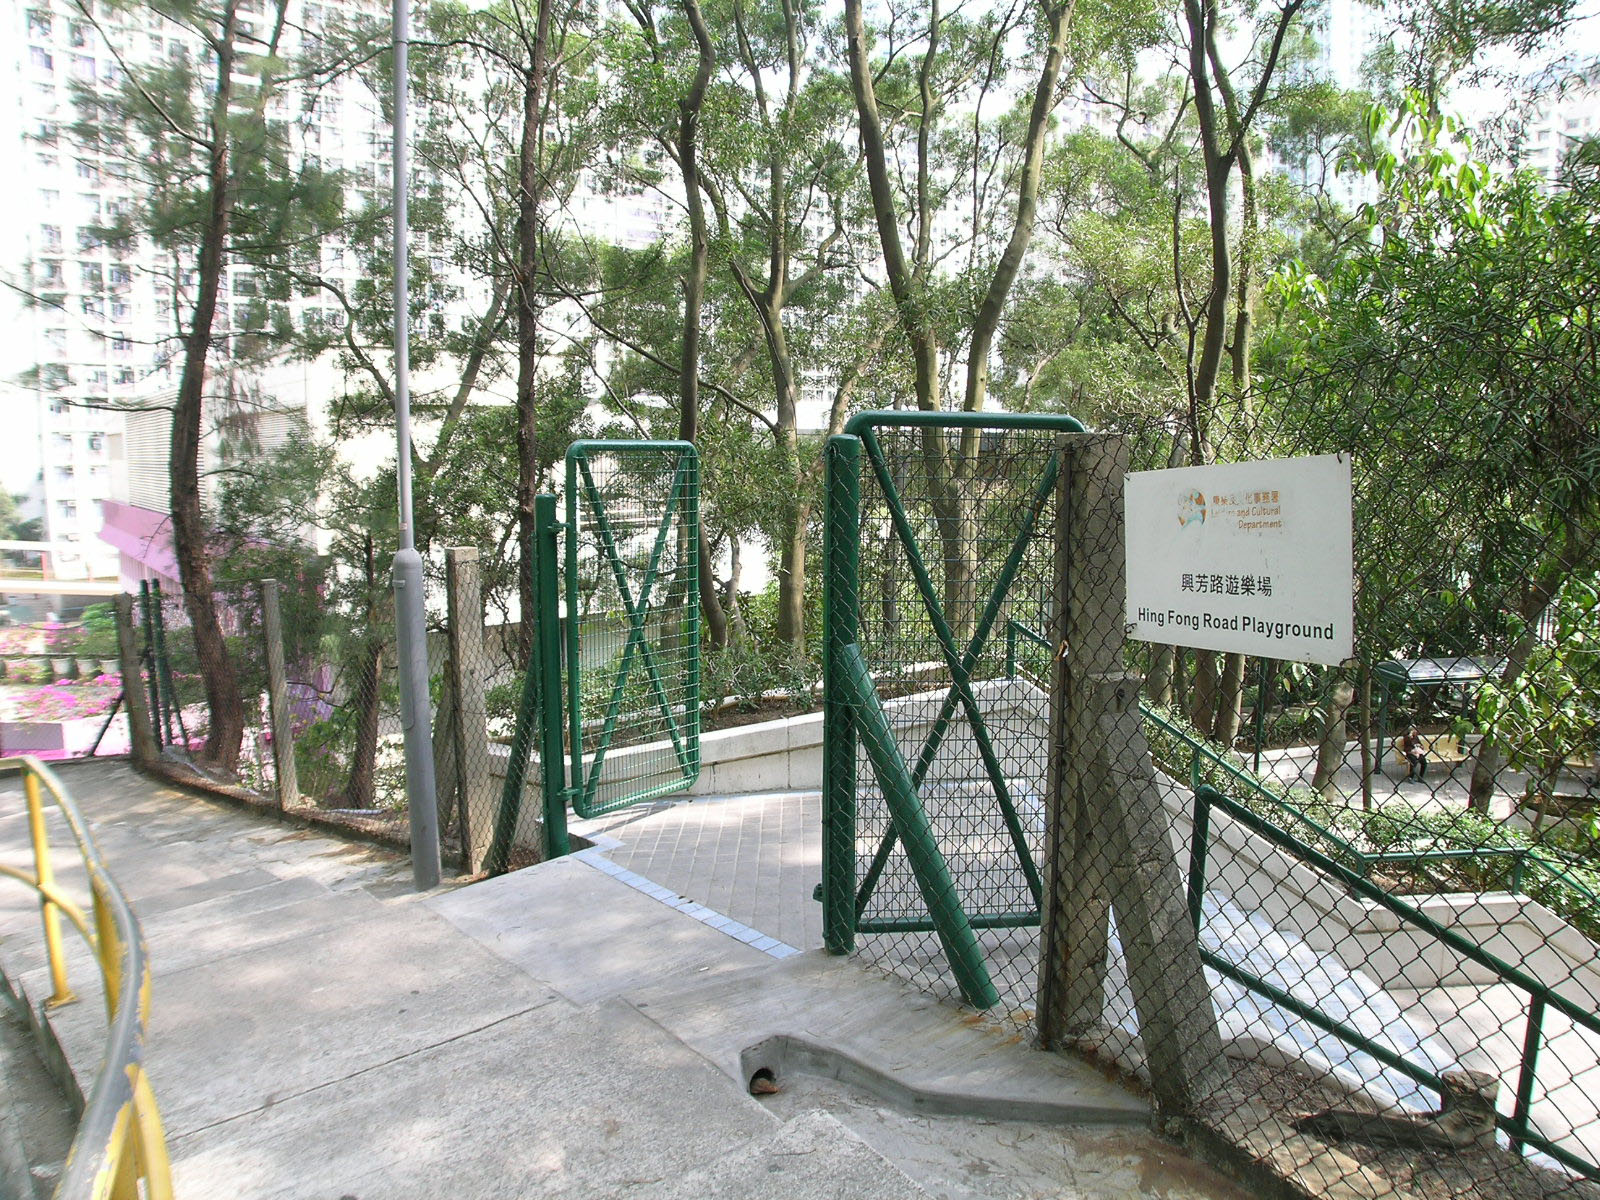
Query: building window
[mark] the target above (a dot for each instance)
(38, 24)
(83, 68)
(50, 236)
(68, 509)
(56, 339)
(78, 34)
(90, 276)
(97, 442)
(124, 376)
(50, 272)
(120, 310)
(121, 346)
(41, 59)
(91, 306)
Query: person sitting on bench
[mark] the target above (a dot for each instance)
(1415, 751)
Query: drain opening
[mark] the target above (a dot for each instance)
(764, 1083)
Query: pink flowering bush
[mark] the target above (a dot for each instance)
(21, 639)
(61, 638)
(26, 670)
(66, 700)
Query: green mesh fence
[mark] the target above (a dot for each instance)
(940, 541)
(632, 622)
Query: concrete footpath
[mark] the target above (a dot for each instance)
(318, 1030)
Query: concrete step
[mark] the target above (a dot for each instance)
(820, 1015)
(813, 1156)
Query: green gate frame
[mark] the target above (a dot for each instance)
(550, 708)
(683, 503)
(852, 710)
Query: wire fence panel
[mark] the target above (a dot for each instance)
(633, 621)
(1342, 916)
(61, 687)
(940, 549)
(1395, 925)
(342, 696)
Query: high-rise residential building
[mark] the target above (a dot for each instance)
(92, 323)
(1565, 112)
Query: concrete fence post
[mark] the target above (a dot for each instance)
(141, 732)
(1108, 832)
(279, 715)
(470, 711)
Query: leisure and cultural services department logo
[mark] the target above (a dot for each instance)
(1191, 508)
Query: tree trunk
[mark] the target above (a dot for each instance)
(530, 193)
(1486, 762)
(1203, 699)
(1158, 683)
(1230, 700)
(694, 290)
(904, 287)
(189, 534)
(1058, 17)
(1576, 553)
(1335, 732)
(730, 597)
(359, 788)
(792, 584)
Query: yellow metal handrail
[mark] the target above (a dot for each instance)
(120, 1140)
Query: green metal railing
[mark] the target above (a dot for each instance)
(539, 713)
(1355, 873)
(1541, 997)
(1523, 860)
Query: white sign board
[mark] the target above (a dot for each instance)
(1250, 558)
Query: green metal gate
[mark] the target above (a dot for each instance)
(612, 692)
(939, 548)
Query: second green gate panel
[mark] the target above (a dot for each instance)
(632, 625)
(939, 552)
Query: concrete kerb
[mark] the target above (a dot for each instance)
(192, 782)
(808, 1013)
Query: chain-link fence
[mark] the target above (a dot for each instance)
(1390, 861)
(940, 569)
(1343, 915)
(489, 809)
(339, 703)
(61, 686)
(334, 748)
